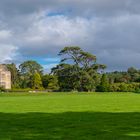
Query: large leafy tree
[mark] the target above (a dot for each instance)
(27, 71)
(30, 67)
(67, 76)
(77, 69)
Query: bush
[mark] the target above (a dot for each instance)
(123, 87)
(20, 90)
(137, 90)
(2, 89)
(104, 85)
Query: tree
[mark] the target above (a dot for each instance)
(30, 67)
(50, 82)
(27, 71)
(134, 74)
(77, 69)
(36, 81)
(104, 85)
(67, 76)
(15, 75)
(132, 70)
(78, 56)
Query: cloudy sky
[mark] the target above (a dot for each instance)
(38, 29)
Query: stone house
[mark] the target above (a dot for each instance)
(5, 77)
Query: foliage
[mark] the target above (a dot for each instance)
(20, 90)
(2, 89)
(77, 70)
(50, 82)
(104, 85)
(15, 75)
(123, 87)
(129, 76)
(30, 67)
(28, 71)
(36, 81)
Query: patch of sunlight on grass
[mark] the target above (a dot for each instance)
(134, 134)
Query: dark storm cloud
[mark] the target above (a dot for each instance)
(108, 28)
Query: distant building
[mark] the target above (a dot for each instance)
(5, 77)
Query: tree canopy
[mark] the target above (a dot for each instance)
(77, 69)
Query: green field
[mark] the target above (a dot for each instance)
(110, 116)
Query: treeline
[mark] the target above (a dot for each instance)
(29, 76)
(77, 71)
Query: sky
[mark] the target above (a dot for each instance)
(39, 29)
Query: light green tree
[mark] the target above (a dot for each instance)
(27, 70)
(36, 81)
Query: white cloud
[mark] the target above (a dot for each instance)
(109, 29)
(4, 34)
(7, 52)
(48, 67)
(50, 34)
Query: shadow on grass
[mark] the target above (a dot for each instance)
(70, 126)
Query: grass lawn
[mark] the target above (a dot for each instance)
(76, 116)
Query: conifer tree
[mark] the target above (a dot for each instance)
(36, 81)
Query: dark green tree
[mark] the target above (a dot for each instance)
(77, 69)
(104, 85)
(50, 82)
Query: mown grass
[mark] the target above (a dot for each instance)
(70, 116)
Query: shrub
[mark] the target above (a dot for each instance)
(2, 89)
(123, 87)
